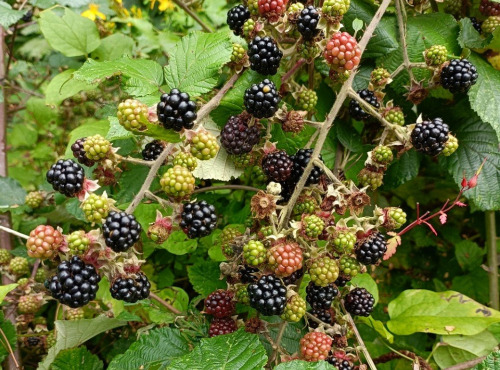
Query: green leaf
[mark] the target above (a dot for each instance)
(484, 96)
(402, 170)
(446, 313)
(114, 47)
(77, 357)
(117, 131)
(178, 243)
(469, 37)
(378, 326)
(367, 282)
(235, 351)
(348, 136)
(71, 34)
(291, 336)
(304, 365)
(74, 333)
(492, 362)
(196, 60)
(12, 193)
(64, 86)
(5, 289)
(357, 25)
(142, 77)
(9, 16)
(469, 254)
(205, 277)
(154, 350)
(474, 284)
(104, 295)
(454, 349)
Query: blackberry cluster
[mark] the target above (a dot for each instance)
(308, 22)
(152, 150)
(247, 274)
(327, 316)
(430, 137)
(359, 302)
(261, 100)
(339, 363)
(371, 250)
(176, 111)
(121, 231)
(66, 177)
(75, 283)
(198, 219)
(355, 109)
(300, 161)
(79, 153)
(268, 295)
(236, 18)
(131, 290)
(321, 298)
(237, 138)
(277, 166)
(265, 56)
(220, 303)
(458, 76)
(221, 326)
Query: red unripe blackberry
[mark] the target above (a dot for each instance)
(430, 137)
(221, 326)
(307, 23)
(44, 242)
(237, 138)
(272, 8)
(176, 110)
(220, 303)
(268, 295)
(315, 346)
(300, 162)
(277, 166)
(359, 302)
(121, 231)
(458, 76)
(152, 150)
(327, 316)
(342, 52)
(285, 257)
(489, 8)
(261, 100)
(265, 55)
(66, 177)
(321, 297)
(131, 290)
(371, 250)
(236, 18)
(355, 109)
(198, 219)
(79, 153)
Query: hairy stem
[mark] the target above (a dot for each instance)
(491, 246)
(401, 15)
(180, 4)
(9, 347)
(165, 304)
(226, 187)
(292, 70)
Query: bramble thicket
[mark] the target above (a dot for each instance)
(249, 184)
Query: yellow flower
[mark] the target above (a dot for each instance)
(93, 12)
(163, 5)
(136, 12)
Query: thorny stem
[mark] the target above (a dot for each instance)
(491, 246)
(165, 304)
(276, 346)
(411, 66)
(135, 161)
(161, 201)
(180, 3)
(402, 36)
(292, 70)
(226, 187)
(35, 268)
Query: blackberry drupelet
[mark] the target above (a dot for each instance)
(355, 109)
(430, 137)
(220, 303)
(277, 166)
(300, 161)
(237, 138)
(121, 231)
(79, 153)
(66, 177)
(198, 219)
(152, 150)
(236, 18)
(308, 22)
(268, 295)
(265, 55)
(359, 302)
(75, 283)
(339, 363)
(371, 250)
(458, 76)
(176, 111)
(261, 100)
(131, 290)
(321, 297)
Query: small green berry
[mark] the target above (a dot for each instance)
(336, 8)
(436, 55)
(395, 115)
(78, 242)
(313, 226)
(204, 146)
(344, 241)
(450, 146)
(34, 199)
(96, 147)
(349, 266)
(396, 218)
(307, 100)
(5, 256)
(238, 53)
(295, 309)
(96, 207)
(133, 115)
(254, 253)
(177, 182)
(380, 77)
(371, 177)
(324, 271)
(382, 154)
(185, 160)
(19, 266)
(248, 27)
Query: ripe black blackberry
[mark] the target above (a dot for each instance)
(198, 219)
(247, 274)
(268, 295)
(476, 24)
(28, 16)
(176, 111)
(359, 302)
(32, 341)
(79, 153)
(339, 363)
(277, 166)
(121, 231)
(237, 138)
(287, 188)
(458, 76)
(342, 280)
(262, 99)
(152, 150)
(66, 177)
(327, 316)
(300, 161)
(355, 109)
(75, 283)
(220, 303)
(221, 326)
(369, 251)
(292, 279)
(307, 23)
(264, 55)
(320, 298)
(236, 18)
(131, 290)
(430, 137)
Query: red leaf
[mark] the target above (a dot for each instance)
(392, 245)
(460, 204)
(443, 217)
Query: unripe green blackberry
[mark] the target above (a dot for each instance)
(41, 275)
(241, 294)
(253, 6)
(185, 160)
(243, 160)
(295, 309)
(344, 241)
(324, 271)
(307, 100)
(96, 147)
(371, 177)
(19, 266)
(34, 199)
(248, 27)
(436, 55)
(313, 226)
(266, 231)
(73, 314)
(491, 24)
(382, 154)
(51, 339)
(380, 77)
(4, 256)
(395, 218)
(295, 8)
(238, 53)
(177, 182)
(336, 8)
(95, 208)
(254, 253)
(258, 174)
(395, 115)
(204, 146)
(305, 205)
(228, 234)
(23, 281)
(309, 50)
(450, 146)
(29, 304)
(133, 115)
(349, 266)
(78, 242)
(453, 7)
